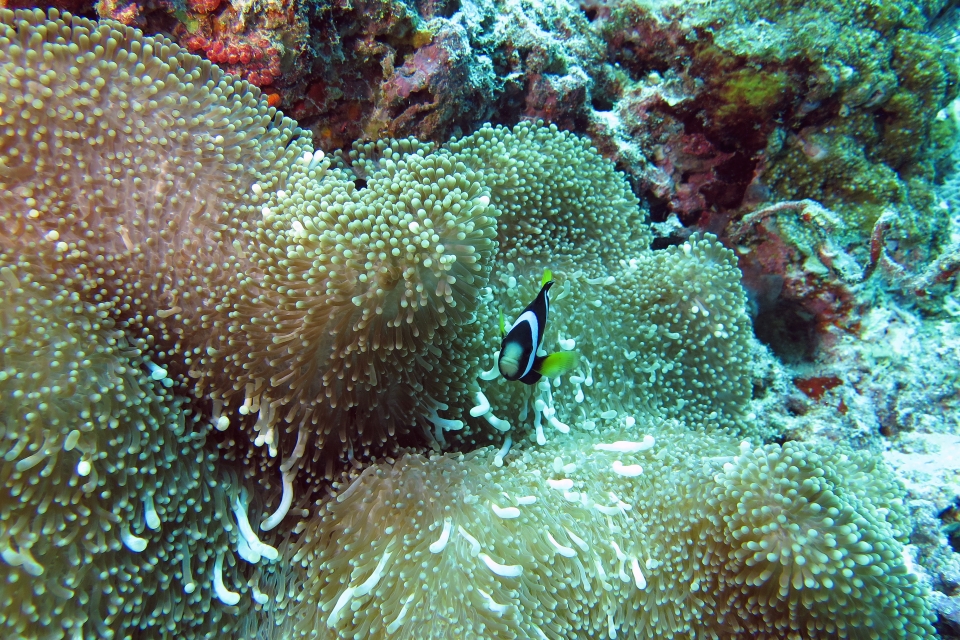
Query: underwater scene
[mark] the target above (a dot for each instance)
(480, 319)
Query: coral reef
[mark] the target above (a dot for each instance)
(802, 283)
(744, 100)
(382, 68)
(438, 69)
(713, 110)
(206, 320)
(711, 107)
(719, 108)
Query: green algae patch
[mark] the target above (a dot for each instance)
(754, 89)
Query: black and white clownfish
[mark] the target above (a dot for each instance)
(518, 351)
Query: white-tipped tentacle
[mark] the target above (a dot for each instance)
(502, 570)
(483, 405)
(220, 590)
(131, 541)
(504, 450)
(441, 543)
(150, 517)
(246, 531)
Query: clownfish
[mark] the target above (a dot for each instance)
(518, 351)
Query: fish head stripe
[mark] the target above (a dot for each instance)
(515, 349)
(522, 341)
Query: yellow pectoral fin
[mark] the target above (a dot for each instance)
(503, 325)
(557, 364)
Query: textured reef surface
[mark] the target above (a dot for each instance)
(249, 381)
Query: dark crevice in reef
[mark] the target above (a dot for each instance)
(789, 331)
(950, 517)
(659, 208)
(667, 241)
(948, 629)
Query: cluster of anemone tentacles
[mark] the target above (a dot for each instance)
(203, 320)
(609, 533)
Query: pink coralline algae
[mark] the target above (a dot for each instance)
(426, 93)
(203, 6)
(437, 70)
(691, 162)
(559, 99)
(264, 44)
(254, 59)
(125, 13)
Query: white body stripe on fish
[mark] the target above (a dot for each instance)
(531, 319)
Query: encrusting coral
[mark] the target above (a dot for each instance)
(164, 233)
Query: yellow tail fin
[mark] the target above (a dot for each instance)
(547, 277)
(557, 364)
